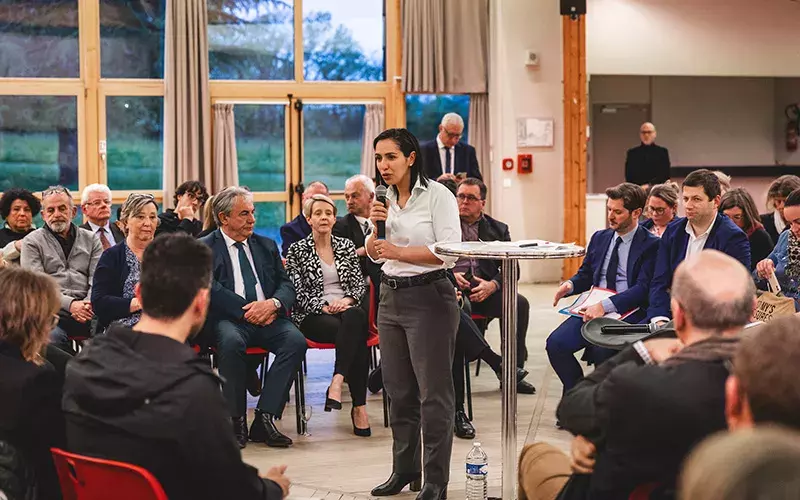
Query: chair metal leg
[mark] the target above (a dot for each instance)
(478, 367)
(305, 365)
(300, 400)
(469, 389)
(264, 370)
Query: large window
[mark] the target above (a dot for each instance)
(132, 38)
(332, 138)
(424, 113)
(134, 131)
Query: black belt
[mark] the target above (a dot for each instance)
(395, 283)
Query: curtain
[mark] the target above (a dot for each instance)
(479, 131)
(373, 125)
(445, 46)
(226, 166)
(187, 144)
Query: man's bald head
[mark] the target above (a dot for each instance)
(647, 132)
(714, 292)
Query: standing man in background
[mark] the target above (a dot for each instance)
(648, 163)
(446, 155)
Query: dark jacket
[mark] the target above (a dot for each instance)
(109, 279)
(761, 245)
(643, 419)
(725, 236)
(150, 401)
(640, 266)
(118, 235)
(293, 231)
(31, 420)
(647, 165)
(466, 160)
(348, 227)
(169, 222)
(768, 220)
(225, 304)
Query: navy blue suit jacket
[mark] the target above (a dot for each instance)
(641, 263)
(293, 231)
(108, 284)
(725, 236)
(466, 160)
(225, 303)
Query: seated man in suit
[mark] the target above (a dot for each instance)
(359, 193)
(480, 280)
(620, 258)
(446, 155)
(96, 205)
(702, 228)
(298, 228)
(251, 296)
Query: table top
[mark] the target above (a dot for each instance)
(511, 250)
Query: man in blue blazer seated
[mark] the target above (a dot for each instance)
(298, 228)
(446, 155)
(702, 228)
(251, 296)
(621, 258)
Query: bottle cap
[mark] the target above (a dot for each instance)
(476, 443)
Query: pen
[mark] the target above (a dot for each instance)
(526, 245)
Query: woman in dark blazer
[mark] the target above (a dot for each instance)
(31, 421)
(739, 206)
(330, 288)
(117, 272)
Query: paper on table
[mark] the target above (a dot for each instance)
(590, 298)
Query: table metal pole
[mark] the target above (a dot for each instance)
(508, 341)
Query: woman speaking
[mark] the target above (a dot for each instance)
(418, 314)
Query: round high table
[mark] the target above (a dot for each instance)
(509, 252)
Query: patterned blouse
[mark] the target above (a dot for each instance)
(134, 271)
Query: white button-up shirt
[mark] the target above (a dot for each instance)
(696, 243)
(429, 217)
(443, 156)
(238, 281)
(107, 228)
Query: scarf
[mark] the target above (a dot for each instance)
(715, 348)
(793, 254)
(755, 227)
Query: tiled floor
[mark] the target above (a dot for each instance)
(333, 463)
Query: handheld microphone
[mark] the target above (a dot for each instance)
(380, 195)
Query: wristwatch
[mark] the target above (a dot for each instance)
(276, 302)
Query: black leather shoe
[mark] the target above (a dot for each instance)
(263, 430)
(463, 426)
(433, 492)
(240, 430)
(525, 388)
(396, 483)
(521, 374)
(253, 383)
(375, 381)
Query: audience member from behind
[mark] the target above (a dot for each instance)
(647, 164)
(68, 254)
(702, 228)
(661, 208)
(142, 395)
(758, 464)
(633, 417)
(118, 271)
(739, 206)
(330, 290)
(189, 199)
(209, 224)
(784, 261)
(31, 421)
(18, 207)
(96, 205)
(298, 228)
(774, 221)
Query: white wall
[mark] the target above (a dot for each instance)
(533, 204)
(693, 37)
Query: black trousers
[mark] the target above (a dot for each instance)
(492, 307)
(470, 343)
(348, 330)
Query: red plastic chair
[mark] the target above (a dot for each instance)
(87, 478)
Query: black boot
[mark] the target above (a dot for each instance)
(463, 427)
(432, 491)
(240, 430)
(263, 430)
(396, 483)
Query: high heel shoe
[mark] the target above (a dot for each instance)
(331, 404)
(396, 483)
(357, 430)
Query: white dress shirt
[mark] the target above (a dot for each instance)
(364, 224)
(443, 156)
(238, 281)
(429, 217)
(696, 243)
(107, 228)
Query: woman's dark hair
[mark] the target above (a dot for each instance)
(793, 199)
(782, 187)
(197, 188)
(740, 198)
(408, 144)
(15, 194)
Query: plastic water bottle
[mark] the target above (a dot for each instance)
(477, 472)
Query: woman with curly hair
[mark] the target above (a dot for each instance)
(18, 207)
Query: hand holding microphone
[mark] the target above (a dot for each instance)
(379, 212)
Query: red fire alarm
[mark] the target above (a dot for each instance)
(508, 163)
(525, 164)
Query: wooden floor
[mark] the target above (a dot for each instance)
(334, 464)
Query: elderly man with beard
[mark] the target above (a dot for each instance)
(69, 254)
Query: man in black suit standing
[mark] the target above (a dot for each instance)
(251, 296)
(647, 164)
(446, 155)
(298, 228)
(359, 193)
(96, 205)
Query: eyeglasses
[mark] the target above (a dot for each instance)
(55, 190)
(738, 217)
(140, 196)
(656, 210)
(467, 197)
(453, 135)
(98, 203)
(646, 132)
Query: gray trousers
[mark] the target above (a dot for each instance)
(418, 326)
